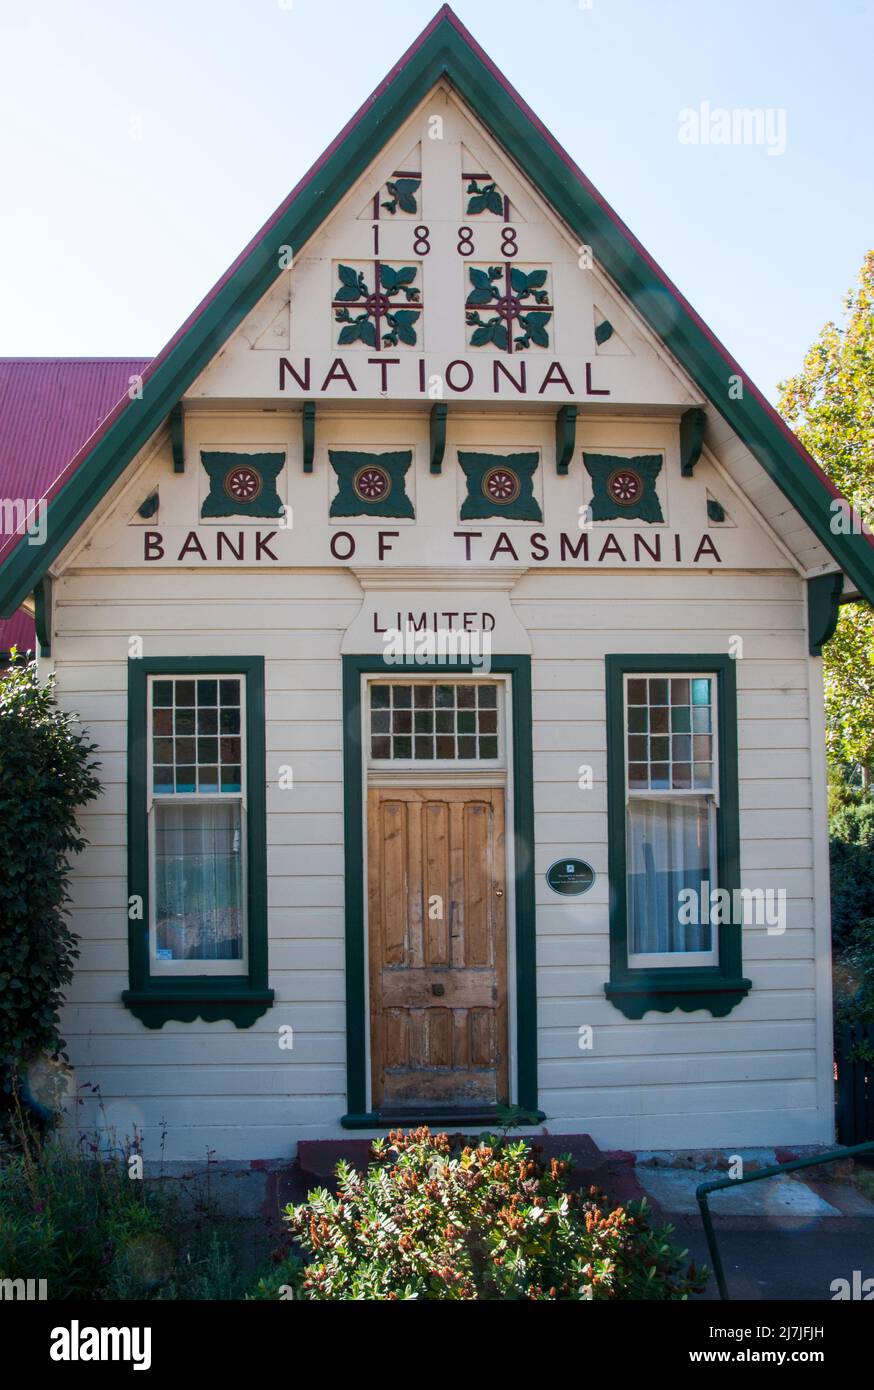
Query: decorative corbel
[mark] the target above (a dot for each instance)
(308, 424)
(438, 435)
(177, 438)
(692, 424)
(823, 609)
(565, 437)
(42, 614)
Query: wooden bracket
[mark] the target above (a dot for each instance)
(565, 437)
(692, 424)
(42, 614)
(177, 438)
(308, 422)
(438, 435)
(823, 609)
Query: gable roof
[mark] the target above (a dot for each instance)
(49, 408)
(444, 50)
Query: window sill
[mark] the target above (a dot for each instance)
(184, 1003)
(663, 991)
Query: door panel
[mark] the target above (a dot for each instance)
(438, 946)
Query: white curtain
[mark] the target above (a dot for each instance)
(668, 849)
(198, 881)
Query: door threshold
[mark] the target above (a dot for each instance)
(438, 1117)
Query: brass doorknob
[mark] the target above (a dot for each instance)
(499, 892)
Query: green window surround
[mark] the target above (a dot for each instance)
(716, 987)
(154, 998)
(519, 669)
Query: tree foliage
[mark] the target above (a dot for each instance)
(830, 405)
(45, 774)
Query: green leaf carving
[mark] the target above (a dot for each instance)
(534, 325)
(404, 190)
(352, 284)
(388, 278)
(401, 322)
(485, 199)
(484, 291)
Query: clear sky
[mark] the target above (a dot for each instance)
(143, 142)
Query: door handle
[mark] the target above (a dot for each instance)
(499, 892)
(438, 990)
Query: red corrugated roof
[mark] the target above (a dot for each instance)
(49, 408)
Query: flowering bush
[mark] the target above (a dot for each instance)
(486, 1222)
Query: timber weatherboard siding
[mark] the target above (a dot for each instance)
(668, 1080)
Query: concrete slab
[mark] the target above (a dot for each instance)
(673, 1189)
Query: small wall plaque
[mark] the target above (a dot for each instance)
(570, 877)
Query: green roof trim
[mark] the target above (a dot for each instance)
(444, 51)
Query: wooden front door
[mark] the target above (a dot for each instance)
(438, 947)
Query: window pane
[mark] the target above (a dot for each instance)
(668, 850)
(433, 721)
(198, 881)
(679, 753)
(186, 749)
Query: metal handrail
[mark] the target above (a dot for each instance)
(704, 1189)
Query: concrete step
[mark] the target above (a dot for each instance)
(612, 1172)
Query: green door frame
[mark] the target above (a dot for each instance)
(518, 668)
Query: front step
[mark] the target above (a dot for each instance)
(318, 1158)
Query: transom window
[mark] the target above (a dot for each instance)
(197, 825)
(669, 729)
(671, 809)
(197, 735)
(435, 721)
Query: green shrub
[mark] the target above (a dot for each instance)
(484, 1222)
(45, 774)
(93, 1232)
(851, 835)
(854, 976)
(82, 1225)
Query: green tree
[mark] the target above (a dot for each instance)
(830, 405)
(46, 774)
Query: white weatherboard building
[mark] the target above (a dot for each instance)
(447, 607)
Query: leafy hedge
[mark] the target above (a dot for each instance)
(45, 774)
(851, 832)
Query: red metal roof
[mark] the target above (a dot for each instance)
(49, 408)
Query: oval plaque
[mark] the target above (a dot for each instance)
(570, 877)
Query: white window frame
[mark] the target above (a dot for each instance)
(196, 967)
(662, 960)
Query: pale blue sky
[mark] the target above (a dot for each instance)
(108, 241)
